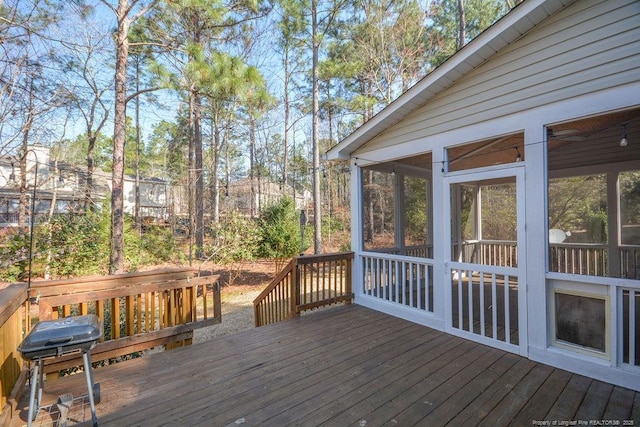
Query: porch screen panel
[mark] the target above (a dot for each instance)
(484, 275)
(378, 211)
(578, 219)
(484, 224)
(417, 206)
(629, 183)
(593, 199)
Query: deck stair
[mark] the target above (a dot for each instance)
(305, 283)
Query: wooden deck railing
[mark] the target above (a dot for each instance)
(139, 310)
(14, 307)
(578, 258)
(307, 282)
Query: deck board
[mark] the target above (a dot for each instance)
(595, 401)
(346, 366)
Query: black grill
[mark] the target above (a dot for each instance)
(54, 338)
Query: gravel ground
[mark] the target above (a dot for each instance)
(237, 312)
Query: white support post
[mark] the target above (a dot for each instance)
(357, 198)
(441, 238)
(613, 224)
(535, 221)
(399, 212)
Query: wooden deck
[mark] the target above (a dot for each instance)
(344, 366)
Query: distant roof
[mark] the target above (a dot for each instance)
(503, 32)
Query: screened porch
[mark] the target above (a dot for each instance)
(592, 252)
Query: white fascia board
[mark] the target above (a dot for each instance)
(505, 31)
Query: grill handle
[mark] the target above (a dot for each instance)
(59, 340)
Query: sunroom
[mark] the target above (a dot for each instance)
(499, 199)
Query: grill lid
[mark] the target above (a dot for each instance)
(55, 337)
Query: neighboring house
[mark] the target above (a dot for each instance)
(66, 184)
(154, 197)
(536, 112)
(241, 195)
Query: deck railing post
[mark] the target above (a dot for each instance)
(349, 278)
(295, 290)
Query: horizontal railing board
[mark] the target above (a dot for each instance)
(135, 284)
(326, 301)
(103, 294)
(69, 286)
(276, 280)
(312, 259)
(11, 298)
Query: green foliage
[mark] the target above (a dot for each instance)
(575, 204)
(279, 228)
(75, 151)
(159, 244)
(479, 14)
(78, 244)
(14, 257)
(596, 224)
(235, 239)
(331, 224)
(415, 204)
(156, 245)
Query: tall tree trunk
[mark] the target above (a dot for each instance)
(88, 191)
(52, 211)
(252, 164)
(192, 176)
(116, 259)
(216, 152)
(285, 139)
(138, 219)
(23, 205)
(462, 25)
(199, 181)
(317, 220)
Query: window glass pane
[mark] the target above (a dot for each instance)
(581, 321)
(42, 206)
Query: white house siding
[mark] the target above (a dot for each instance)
(588, 47)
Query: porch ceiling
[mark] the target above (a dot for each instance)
(594, 140)
(581, 143)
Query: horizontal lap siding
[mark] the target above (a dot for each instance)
(589, 46)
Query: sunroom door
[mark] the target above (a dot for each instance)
(485, 291)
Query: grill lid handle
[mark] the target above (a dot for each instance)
(59, 340)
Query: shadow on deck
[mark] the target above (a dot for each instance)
(342, 366)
